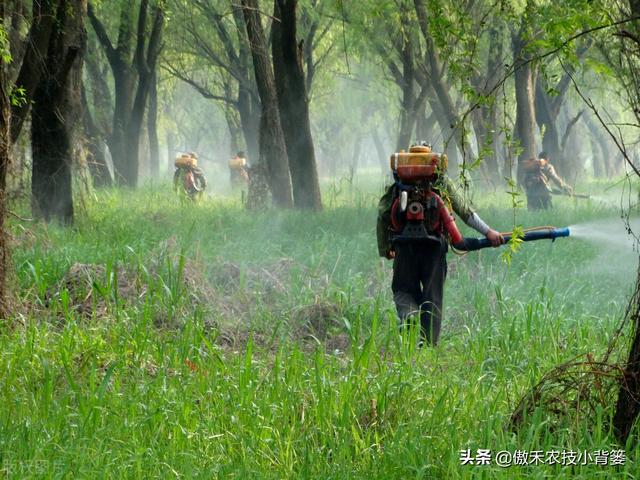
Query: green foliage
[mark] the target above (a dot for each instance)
(514, 244)
(18, 96)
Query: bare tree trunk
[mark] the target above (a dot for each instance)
(294, 107)
(171, 150)
(382, 154)
(235, 131)
(152, 129)
(233, 121)
(249, 110)
(249, 107)
(124, 82)
(43, 13)
(451, 149)
(55, 112)
(547, 120)
(425, 124)
(408, 112)
(273, 152)
(525, 107)
(606, 156)
(490, 112)
(100, 98)
(17, 17)
(628, 405)
(485, 118)
(355, 157)
(5, 160)
(597, 159)
(100, 171)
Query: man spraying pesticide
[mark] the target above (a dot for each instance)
(415, 227)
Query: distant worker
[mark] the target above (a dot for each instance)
(188, 178)
(238, 172)
(414, 228)
(535, 178)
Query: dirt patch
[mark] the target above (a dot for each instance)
(338, 343)
(315, 320)
(89, 289)
(177, 283)
(264, 280)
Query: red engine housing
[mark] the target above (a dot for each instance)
(444, 220)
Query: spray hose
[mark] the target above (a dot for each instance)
(469, 244)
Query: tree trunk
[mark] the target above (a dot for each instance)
(597, 159)
(294, 107)
(490, 112)
(16, 17)
(32, 66)
(408, 111)
(235, 132)
(171, 150)
(54, 115)
(628, 405)
(152, 128)
(124, 83)
(249, 111)
(249, 107)
(355, 157)
(5, 160)
(425, 124)
(382, 154)
(273, 153)
(485, 117)
(100, 99)
(233, 123)
(548, 120)
(607, 158)
(101, 174)
(483, 142)
(525, 107)
(451, 150)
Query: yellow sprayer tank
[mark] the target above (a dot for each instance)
(185, 161)
(237, 162)
(419, 163)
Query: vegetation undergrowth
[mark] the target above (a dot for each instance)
(205, 341)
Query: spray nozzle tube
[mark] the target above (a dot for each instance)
(470, 244)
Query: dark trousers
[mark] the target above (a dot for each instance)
(419, 272)
(538, 201)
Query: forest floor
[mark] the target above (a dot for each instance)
(161, 339)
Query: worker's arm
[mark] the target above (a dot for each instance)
(550, 172)
(385, 247)
(468, 216)
(197, 171)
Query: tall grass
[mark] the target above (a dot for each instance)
(149, 389)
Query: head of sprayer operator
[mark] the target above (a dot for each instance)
(414, 229)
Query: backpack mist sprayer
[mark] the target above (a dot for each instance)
(418, 212)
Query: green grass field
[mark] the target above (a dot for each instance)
(216, 343)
